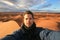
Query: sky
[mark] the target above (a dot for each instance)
(33, 5)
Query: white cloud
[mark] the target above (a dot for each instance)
(8, 3)
(18, 5)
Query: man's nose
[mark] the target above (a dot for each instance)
(28, 20)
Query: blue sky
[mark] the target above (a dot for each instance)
(52, 5)
(55, 5)
(20, 5)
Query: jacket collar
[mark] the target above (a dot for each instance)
(32, 28)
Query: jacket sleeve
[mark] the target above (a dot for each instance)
(50, 35)
(44, 34)
(15, 36)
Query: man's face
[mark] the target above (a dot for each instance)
(28, 20)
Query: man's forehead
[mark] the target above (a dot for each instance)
(27, 15)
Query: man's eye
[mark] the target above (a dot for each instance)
(26, 18)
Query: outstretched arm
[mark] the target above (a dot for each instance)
(15, 36)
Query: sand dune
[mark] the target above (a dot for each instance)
(8, 28)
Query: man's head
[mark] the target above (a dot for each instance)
(28, 18)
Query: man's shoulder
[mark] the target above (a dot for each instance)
(17, 31)
(39, 29)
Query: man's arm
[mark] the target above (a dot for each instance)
(15, 36)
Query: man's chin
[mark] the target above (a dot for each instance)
(28, 26)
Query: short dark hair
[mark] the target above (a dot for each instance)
(28, 12)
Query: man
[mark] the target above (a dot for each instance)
(28, 30)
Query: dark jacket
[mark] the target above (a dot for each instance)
(49, 35)
(25, 33)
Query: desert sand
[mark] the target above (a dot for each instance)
(45, 21)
